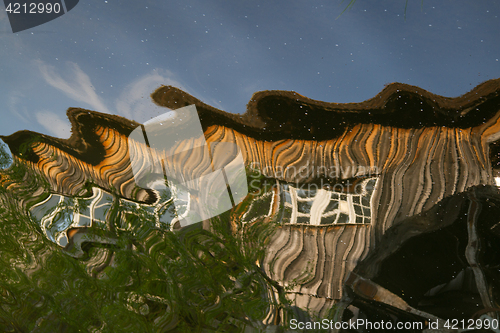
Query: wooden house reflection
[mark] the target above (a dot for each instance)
(407, 151)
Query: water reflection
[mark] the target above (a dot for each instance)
(384, 209)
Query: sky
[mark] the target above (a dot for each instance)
(109, 56)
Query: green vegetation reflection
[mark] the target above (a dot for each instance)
(146, 280)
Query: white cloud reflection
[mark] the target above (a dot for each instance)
(78, 87)
(135, 102)
(54, 124)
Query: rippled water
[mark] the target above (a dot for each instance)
(382, 218)
(145, 279)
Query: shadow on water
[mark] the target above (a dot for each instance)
(380, 210)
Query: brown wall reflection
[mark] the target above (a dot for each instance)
(420, 149)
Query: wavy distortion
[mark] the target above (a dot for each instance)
(419, 148)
